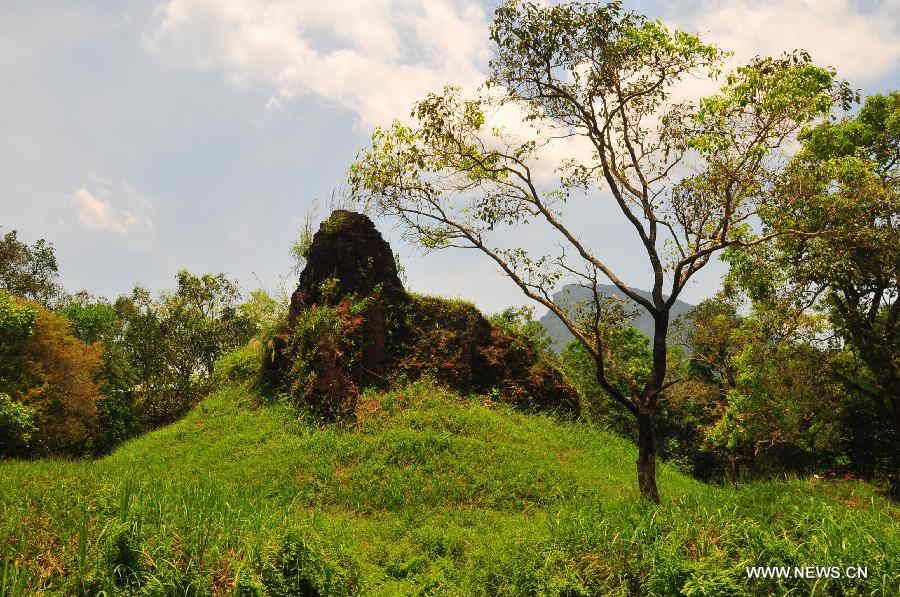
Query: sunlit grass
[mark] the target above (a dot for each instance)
(429, 494)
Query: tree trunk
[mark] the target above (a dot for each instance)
(646, 405)
(892, 396)
(646, 462)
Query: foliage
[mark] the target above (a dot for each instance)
(264, 313)
(769, 408)
(16, 322)
(95, 320)
(29, 271)
(520, 322)
(432, 493)
(323, 352)
(841, 190)
(173, 343)
(752, 400)
(605, 75)
(203, 315)
(16, 419)
(300, 567)
(52, 373)
(16, 427)
(631, 354)
(780, 411)
(300, 246)
(241, 365)
(681, 417)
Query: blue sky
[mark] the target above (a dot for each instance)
(145, 137)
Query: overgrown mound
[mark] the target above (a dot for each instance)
(430, 494)
(352, 324)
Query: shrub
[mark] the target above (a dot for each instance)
(96, 320)
(117, 418)
(53, 373)
(240, 365)
(301, 567)
(320, 348)
(122, 553)
(16, 427)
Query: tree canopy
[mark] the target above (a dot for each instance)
(29, 271)
(688, 177)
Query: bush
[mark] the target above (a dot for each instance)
(241, 365)
(301, 567)
(320, 347)
(117, 416)
(96, 320)
(52, 373)
(122, 553)
(16, 427)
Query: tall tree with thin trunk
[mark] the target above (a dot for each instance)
(687, 176)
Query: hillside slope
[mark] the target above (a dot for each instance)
(572, 294)
(430, 494)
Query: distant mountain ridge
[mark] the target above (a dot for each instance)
(571, 294)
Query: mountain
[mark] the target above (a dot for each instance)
(571, 294)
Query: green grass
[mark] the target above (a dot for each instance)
(430, 494)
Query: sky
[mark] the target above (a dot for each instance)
(145, 137)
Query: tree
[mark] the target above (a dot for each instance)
(51, 373)
(708, 333)
(202, 316)
(628, 361)
(95, 320)
(841, 189)
(688, 177)
(173, 342)
(263, 313)
(775, 411)
(29, 271)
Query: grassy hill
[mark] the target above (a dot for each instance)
(430, 494)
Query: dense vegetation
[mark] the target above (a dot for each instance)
(358, 439)
(805, 231)
(428, 493)
(83, 378)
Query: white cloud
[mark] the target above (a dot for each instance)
(130, 215)
(374, 58)
(862, 46)
(94, 213)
